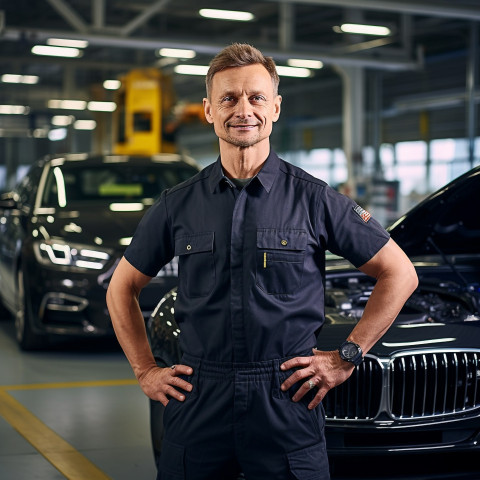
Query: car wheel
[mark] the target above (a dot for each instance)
(27, 339)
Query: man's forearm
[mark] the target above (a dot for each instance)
(127, 318)
(129, 326)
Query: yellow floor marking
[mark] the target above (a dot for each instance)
(71, 463)
(95, 383)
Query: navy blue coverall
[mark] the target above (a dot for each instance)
(250, 296)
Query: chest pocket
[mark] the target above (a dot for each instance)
(196, 263)
(280, 258)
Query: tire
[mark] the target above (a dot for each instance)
(27, 339)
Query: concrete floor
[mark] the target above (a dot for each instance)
(76, 412)
(72, 412)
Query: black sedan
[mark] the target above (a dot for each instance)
(418, 389)
(62, 231)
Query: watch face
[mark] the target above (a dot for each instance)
(349, 350)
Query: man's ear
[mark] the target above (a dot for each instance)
(207, 108)
(276, 106)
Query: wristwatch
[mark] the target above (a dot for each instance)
(351, 352)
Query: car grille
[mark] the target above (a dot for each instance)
(358, 398)
(409, 386)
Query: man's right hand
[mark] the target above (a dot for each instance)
(161, 383)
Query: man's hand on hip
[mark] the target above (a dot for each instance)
(323, 371)
(161, 383)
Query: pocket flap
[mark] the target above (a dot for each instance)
(195, 243)
(288, 239)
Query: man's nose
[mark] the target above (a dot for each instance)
(244, 109)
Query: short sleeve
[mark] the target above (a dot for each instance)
(347, 229)
(151, 246)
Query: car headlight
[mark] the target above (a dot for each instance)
(57, 252)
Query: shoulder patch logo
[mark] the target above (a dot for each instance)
(363, 214)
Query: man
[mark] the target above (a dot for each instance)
(251, 233)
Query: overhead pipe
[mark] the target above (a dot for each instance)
(437, 9)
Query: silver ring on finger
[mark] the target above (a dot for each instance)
(173, 367)
(311, 384)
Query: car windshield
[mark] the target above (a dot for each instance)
(76, 183)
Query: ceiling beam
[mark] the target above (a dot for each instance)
(69, 15)
(143, 17)
(98, 14)
(434, 9)
(324, 54)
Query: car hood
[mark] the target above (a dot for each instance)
(404, 337)
(447, 222)
(95, 225)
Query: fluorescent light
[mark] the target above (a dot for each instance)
(126, 207)
(191, 69)
(85, 125)
(56, 51)
(66, 42)
(57, 134)
(293, 72)
(177, 53)
(226, 14)
(102, 106)
(67, 104)
(304, 63)
(112, 84)
(13, 110)
(13, 78)
(62, 120)
(365, 29)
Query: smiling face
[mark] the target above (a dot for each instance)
(242, 106)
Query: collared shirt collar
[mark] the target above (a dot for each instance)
(266, 176)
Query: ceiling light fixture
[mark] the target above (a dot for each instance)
(226, 15)
(365, 29)
(112, 84)
(85, 125)
(191, 69)
(66, 42)
(13, 78)
(304, 63)
(293, 72)
(57, 134)
(177, 53)
(62, 120)
(56, 51)
(67, 104)
(102, 106)
(14, 110)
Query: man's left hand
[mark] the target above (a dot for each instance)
(323, 371)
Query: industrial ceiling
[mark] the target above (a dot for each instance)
(425, 59)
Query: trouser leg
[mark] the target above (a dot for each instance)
(198, 442)
(281, 439)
